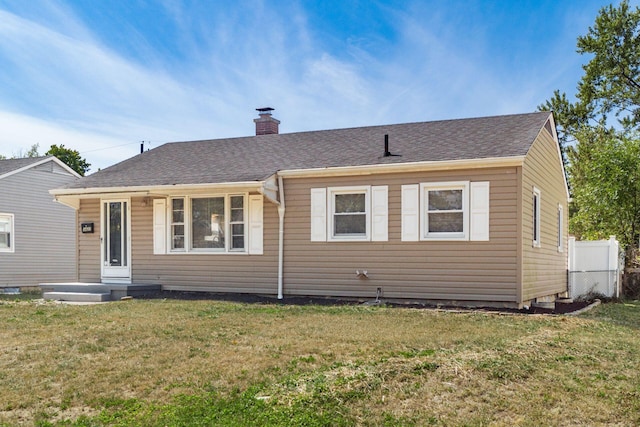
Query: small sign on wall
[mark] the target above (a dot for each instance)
(86, 227)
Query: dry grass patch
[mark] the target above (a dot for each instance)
(365, 365)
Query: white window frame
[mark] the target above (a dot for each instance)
(536, 201)
(425, 187)
(331, 193)
(188, 238)
(230, 223)
(184, 224)
(12, 235)
(560, 228)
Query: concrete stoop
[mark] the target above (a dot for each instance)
(77, 296)
(95, 292)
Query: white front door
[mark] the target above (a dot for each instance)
(115, 241)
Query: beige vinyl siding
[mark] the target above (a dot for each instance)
(44, 238)
(89, 243)
(434, 270)
(544, 269)
(231, 272)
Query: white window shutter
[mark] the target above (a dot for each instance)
(318, 214)
(256, 225)
(159, 226)
(410, 213)
(379, 213)
(479, 211)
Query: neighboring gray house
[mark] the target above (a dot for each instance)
(468, 211)
(37, 235)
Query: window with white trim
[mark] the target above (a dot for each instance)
(456, 210)
(445, 210)
(237, 220)
(6, 233)
(202, 223)
(177, 224)
(208, 223)
(560, 229)
(536, 217)
(349, 213)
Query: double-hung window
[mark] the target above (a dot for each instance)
(208, 224)
(349, 210)
(457, 210)
(6, 233)
(177, 224)
(445, 211)
(237, 220)
(349, 214)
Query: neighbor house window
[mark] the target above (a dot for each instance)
(6, 233)
(444, 210)
(560, 229)
(536, 217)
(208, 224)
(349, 213)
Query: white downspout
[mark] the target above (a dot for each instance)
(281, 209)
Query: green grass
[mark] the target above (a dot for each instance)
(208, 363)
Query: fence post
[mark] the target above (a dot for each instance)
(572, 265)
(613, 264)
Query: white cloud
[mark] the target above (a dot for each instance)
(20, 132)
(234, 58)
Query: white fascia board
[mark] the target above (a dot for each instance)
(164, 190)
(71, 201)
(555, 138)
(405, 167)
(66, 167)
(41, 162)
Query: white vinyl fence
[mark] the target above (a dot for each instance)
(594, 268)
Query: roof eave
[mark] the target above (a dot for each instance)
(154, 189)
(44, 160)
(405, 167)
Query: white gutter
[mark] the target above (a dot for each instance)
(404, 167)
(281, 208)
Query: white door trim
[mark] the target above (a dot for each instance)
(108, 273)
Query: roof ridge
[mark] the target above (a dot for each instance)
(272, 136)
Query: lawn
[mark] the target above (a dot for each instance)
(201, 363)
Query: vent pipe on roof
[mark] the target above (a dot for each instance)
(388, 153)
(266, 124)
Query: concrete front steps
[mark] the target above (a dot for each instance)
(95, 292)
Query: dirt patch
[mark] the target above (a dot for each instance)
(560, 308)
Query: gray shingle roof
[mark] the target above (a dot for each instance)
(256, 157)
(10, 165)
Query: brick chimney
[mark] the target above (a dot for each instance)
(266, 124)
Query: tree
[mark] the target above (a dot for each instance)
(70, 157)
(602, 155)
(611, 82)
(31, 152)
(605, 174)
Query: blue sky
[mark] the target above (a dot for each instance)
(101, 76)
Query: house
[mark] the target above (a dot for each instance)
(37, 235)
(468, 211)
